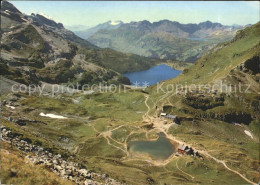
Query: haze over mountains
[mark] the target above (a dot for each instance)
(163, 39)
(76, 28)
(110, 25)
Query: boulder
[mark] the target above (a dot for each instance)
(83, 172)
(89, 182)
(57, 167)
(68, 172)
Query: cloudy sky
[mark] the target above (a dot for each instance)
(91, 13)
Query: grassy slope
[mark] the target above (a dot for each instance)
(82, 130)
(215, 66)
(117, 61)
(102, 112)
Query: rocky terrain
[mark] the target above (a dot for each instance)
(65, 169)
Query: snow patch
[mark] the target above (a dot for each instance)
(114, 23)
(248, 133)
(52, 116)
(9, 106)
(46, 16)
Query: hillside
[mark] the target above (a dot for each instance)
(35, 48)
(210, 120)
(225, 58)
(164, 39)
(214, 118)
(230, 69)
(95, 130)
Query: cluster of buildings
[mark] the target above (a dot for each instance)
(168, 116)
(186, 150)
(171, 117)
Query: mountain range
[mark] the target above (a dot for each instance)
(110, 25)
(207, 117)
(37, 48)
(163, 39)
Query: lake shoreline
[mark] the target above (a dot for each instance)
(146, 148)
(152, 76)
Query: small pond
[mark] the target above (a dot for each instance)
(159, 149)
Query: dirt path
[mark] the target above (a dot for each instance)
(146, 114)
(108, 135)
(158, 126)
(225, 165)
(205, 153)
(114, 145)
(183, 171)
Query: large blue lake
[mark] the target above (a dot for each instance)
(152, 75)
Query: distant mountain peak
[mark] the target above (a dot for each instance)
(145, 22)
(209, 24)
(109, 25)
(165, 20)
(114, 23)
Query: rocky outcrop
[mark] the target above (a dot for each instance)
(227, 116)
(64, 168)
(250, 66)
(202, 102)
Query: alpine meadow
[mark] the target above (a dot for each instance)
(130, 92)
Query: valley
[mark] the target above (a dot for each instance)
(199, 125)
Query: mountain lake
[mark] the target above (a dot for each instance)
(159, 149)
(152, 76)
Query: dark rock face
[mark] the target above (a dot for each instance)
(42, 20)
(10, 11)
(238, 117)
(253, 65)
(203, 103)
(5, 5)
(230, 117)
(167, 108)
